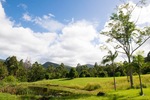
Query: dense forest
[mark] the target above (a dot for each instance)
(25, 71)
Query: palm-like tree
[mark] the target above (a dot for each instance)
(138, 63)
(110, 58)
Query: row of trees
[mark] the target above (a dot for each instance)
(25, 71)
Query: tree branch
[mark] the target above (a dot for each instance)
(140, 45)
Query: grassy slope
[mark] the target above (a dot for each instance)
(77, 86)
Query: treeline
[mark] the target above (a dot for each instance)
(24, 71)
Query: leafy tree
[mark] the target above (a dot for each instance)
(138, 63)
(103, 74)
(147, 59)
(73, 73)
(109, 69)
(37, 72)
(110, 58)
(84, 73)
(12, 65)
(92, 72)
(3, 71)
(61, 71)
(50, 72)
(120, 68)
(124, 32)
(21, 73)
(81, 68)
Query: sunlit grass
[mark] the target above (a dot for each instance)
(79, 87)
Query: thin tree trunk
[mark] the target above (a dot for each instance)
(114, 78)
(131, 78)
(130, 72)
(141, 88)
(114, 83)
(128, 76)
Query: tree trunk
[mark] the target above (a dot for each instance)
(130, 72)
(141, 88)
(131, 78)
(114, 83)
(114, 78)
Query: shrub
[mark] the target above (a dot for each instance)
(10, 79)
(91, 87)
(103, 74)
(100, 93)
(138, 86)
(23, 91)
(117, 74)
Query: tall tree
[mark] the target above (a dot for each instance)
(21, 73)
(12, 65)
(37, 72)
(124, 32)
(110, 58)
(3, 71)
(73, 73)
(138, 63)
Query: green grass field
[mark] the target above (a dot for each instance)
(78, 88)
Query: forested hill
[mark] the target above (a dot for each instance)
(46, 64)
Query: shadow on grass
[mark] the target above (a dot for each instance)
(73, 96)
(115, 97)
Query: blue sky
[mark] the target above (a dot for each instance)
(63, 10)
(59, 31)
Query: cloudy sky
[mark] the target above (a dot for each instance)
(57, 30)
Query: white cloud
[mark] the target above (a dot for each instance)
(77, 42)
(72, 46)
(48, 23)
(27, 17)
(2, 0)
(24, 6)
(142, 15)
(20, 41)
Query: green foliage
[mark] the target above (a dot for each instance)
(84, 73)
(3, 71)
(103, 74)
(81, 68)
(21, 74)
(147, 59)
(10, 79)
(12, 65)
(73, 73)
(117, 74)
(37, 72)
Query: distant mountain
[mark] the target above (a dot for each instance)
(89, 65)
(2, 60)
(46, 64)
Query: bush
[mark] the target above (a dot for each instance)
(23, 91)
(10, 79)
(91, 87)
(143, 85)
(117, 74)
(100, 93)
(103, 74)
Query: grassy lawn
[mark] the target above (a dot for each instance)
(78, 88)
